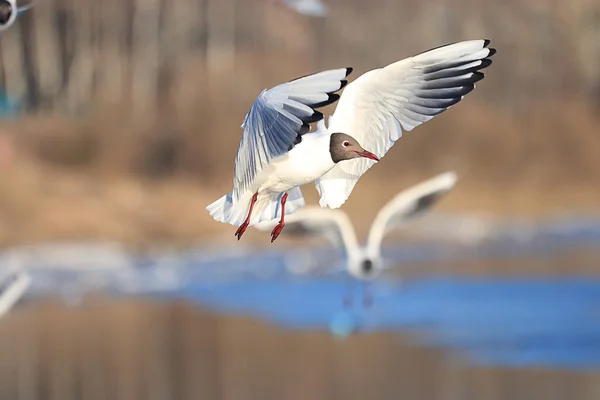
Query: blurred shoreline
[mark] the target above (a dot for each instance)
(42, 203)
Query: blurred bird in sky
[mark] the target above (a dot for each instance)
(311, 8)
(277, 154)
(9, 12)
(365, 262)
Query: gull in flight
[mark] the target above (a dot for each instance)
(365, 262)
(311, 8)
(278, 154)
(9, 12)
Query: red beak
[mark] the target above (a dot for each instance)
(367, 154)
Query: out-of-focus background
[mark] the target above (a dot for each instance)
(120, 123)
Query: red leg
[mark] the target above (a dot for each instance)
(279, 227)
(240, 231)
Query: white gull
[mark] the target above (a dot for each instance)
(277, 154)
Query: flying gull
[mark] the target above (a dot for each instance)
(278, 154)
(311, 8)
(365, 262)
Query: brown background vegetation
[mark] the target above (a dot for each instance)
(134, 107)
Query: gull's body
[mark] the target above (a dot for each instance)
(285, 174)
(298, 167)
(364, 262)
(9, 12)
(277, 155)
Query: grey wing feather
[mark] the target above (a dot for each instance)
(277, 120)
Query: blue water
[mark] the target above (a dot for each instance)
(517, 322)
(525, 321)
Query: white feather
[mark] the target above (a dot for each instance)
(266, 208)
(405, 206)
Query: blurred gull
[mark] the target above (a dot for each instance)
(9, 12)
(311, 8)
(13, 285)
(277, 154)
(365, 262)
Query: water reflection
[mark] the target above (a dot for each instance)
(493, 320)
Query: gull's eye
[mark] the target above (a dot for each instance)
(346, 143)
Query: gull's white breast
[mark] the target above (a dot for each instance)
(307, 161)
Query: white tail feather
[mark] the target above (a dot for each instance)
(266, 208)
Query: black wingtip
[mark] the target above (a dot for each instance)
(465, 90)
(343, 84)
(477, 76)
(349, 70)
(316, 116)
(486, 42)
(492, 52)
(331, 98)
(485, 63)
(303, 129)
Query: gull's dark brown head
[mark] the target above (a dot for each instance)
(367, 266)
(6, 10)
(345, 147)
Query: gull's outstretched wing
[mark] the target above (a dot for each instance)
(380, 103)
(318, 222)
(277, 120)
(407, 205)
